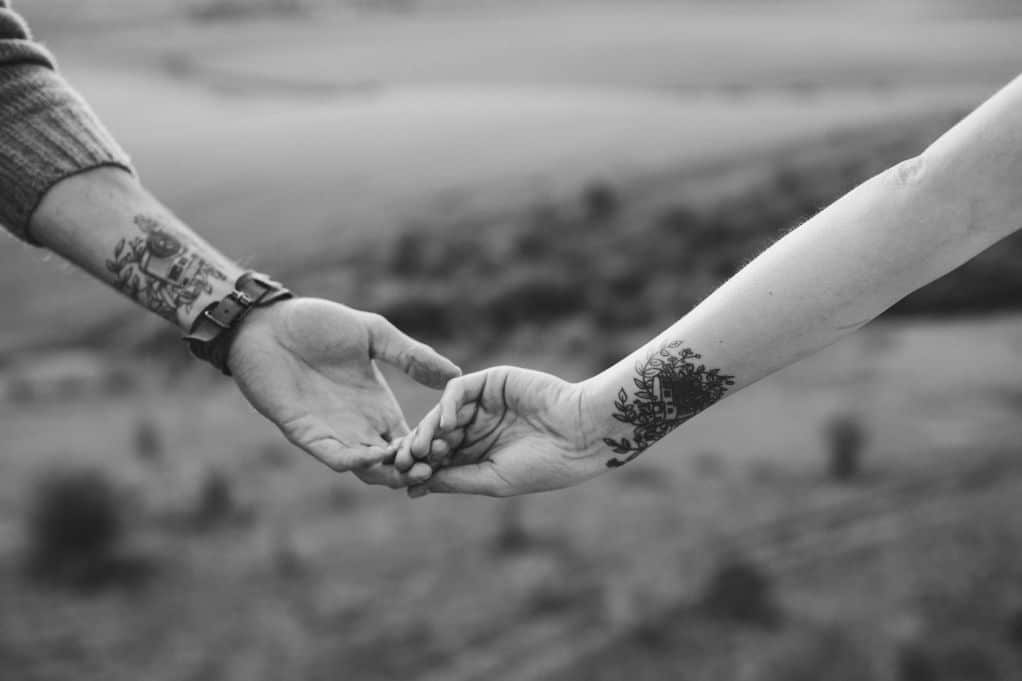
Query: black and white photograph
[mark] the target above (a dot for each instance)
(511, 340)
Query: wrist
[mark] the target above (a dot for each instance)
(594, 417)
(214, 331)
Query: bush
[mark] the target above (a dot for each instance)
(76, 531)
(216, 505)
(829, 654)
(233, 10)
(408, 257)
(600, 202)
(1014, 629)
(912, 663)
(541, 297)
(846, 439)
(148, 440)
(426, 318)
(741, 592)
(512, 537)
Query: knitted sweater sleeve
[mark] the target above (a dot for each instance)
(47, 131)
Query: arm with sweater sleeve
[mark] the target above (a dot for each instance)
(307, 365)
(511, 431)
(48, 132)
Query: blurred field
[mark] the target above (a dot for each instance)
(549, 188)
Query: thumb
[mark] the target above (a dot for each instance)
(472, 479)
(416, 359)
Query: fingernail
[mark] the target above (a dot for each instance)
(417, 492)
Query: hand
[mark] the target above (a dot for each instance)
(503, 432)
(308, 366)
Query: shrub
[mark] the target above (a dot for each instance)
(512, 537)
(76, 531)
(233, 10)
(741, 592)
(216, 505)
(828, 654)
(971, 660)
(539, 298)
(286, 559)
(148, 440)
(277, 456)
(427, 318)
(1014, 629)
(846, 439)
(600, 202)
(912, 663)
(408, 256)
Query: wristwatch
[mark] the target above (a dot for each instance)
(213, 331)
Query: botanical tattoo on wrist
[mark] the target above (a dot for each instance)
(161, 270)
(670, 389)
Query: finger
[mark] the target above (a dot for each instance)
(388, 476)
(392, 448)
(416, 359)
(343, 458)
(455, 438)
(450, 401)
(476, 479)
(424, 434)
(420, 472)
(404, 453)
(439, 451)
(466, 414)
(403, 459)
(457, 396)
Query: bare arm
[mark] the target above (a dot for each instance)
(105, 222)
(512, 431)
(891, 235)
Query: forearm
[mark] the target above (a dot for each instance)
(105, 222)
(893, 234)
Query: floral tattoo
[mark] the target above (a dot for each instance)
(670, 389)
(161, 270)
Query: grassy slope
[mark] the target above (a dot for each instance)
(376, 584)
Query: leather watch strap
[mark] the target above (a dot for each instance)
(213, 331)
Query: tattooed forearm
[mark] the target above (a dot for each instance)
(161, 269)
(671, 388)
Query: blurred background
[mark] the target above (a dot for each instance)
(540, 183)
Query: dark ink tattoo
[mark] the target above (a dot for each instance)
(161, 270)
(671, 389)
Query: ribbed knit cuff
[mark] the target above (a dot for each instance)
(47, 133)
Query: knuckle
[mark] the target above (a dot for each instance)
(380, 323)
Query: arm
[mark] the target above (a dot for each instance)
(513, 431)
(307, 365)
(893, 234)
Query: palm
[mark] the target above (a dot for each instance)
(522, 428)
(308, 366)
